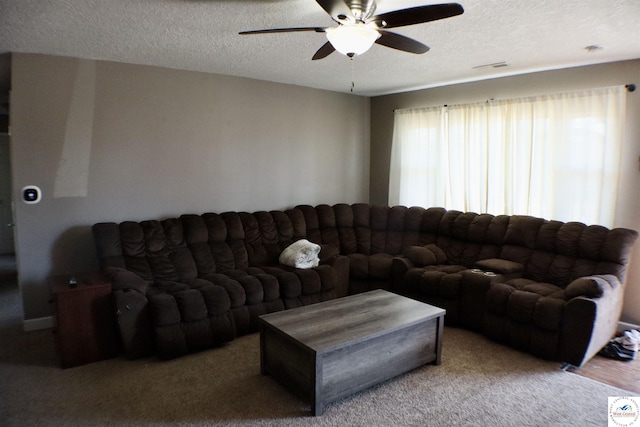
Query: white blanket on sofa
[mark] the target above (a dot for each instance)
(301, 254)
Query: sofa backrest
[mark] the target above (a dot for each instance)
(551, 251)
(365, 229)
(467, 237)
(197, 245)
(154, 250)
(216, 241)
(558, 253)
(361, 228)
(237, 240)
(267, 234)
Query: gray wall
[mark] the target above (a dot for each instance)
(530, 84)
(162, 142)
(112, 142)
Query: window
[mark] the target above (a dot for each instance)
(553, 156)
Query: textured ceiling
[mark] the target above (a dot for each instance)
(202, 35)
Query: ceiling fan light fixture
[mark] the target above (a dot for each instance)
(352, 40)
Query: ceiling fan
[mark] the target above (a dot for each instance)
(358, 28)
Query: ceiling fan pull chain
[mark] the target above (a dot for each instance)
(353, 83)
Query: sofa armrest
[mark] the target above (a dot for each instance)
(399, 267)
(591, 286)
(340, 264)
(330, 255)
(123, 279)
(132, 314)
(589, 322)
(473, 298)
(133, 319)
(425, 255)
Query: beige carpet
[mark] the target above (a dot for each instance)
(479, 383)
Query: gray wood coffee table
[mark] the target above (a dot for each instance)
(333, 349)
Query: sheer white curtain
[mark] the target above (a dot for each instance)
(553, 156)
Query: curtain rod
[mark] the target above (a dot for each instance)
(631, 87)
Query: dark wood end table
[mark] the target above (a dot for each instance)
(84, 326)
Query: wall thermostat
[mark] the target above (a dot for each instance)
(31, 194)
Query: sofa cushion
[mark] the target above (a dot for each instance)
(548, 313)
(521, 306)
(527, 303)
(539, 288)
(441, 284)
(164, 309)
(545, 290)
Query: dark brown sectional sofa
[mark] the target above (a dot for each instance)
(185, 284)
(194, 282)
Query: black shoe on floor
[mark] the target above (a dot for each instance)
(615, 350)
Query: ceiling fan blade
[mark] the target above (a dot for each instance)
(418, 15)
(326, 50)
(400, 42)
(285, 30)
(335, 8)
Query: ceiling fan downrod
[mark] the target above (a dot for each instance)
(361, 10)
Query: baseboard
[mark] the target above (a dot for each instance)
(39, 323)
(624, 326)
